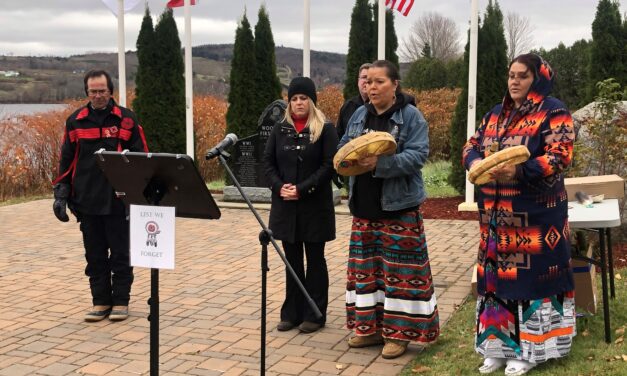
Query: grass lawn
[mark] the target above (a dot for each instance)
(434, 175)
(453, 353)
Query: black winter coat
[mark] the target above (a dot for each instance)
(290, 157)
(86, 133)
(348, 109)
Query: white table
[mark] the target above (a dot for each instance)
(599, 218)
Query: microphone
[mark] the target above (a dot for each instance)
(229, 140)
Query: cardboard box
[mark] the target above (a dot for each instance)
(612, 186)
(585, 284)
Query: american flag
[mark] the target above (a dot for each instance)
(403, 6)
(179, 3)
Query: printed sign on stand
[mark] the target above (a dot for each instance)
(152, 236)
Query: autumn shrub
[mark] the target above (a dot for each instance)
(437, 106)
(29, 153)
(209, 129)
(330, 101)
(30, 146)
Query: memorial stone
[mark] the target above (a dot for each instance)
(247, 157)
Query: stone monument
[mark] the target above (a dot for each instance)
(247, 159)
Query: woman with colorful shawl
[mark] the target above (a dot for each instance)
(525, 311)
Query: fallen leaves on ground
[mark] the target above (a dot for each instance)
(420, 369)
(619, 340)
(585, 333)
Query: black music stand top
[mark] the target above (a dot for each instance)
(158, 179)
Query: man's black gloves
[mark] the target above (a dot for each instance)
(337, 180)
(61, 194)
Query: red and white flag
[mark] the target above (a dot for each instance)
(403, 6)
(179, 3)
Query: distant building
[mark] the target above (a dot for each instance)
(9, 73)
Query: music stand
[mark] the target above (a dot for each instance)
(158, 179)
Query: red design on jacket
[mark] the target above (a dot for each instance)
(127, 123)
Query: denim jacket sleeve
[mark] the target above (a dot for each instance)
(412, 149)
(354, 127)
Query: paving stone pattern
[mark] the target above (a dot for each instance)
(210, 303)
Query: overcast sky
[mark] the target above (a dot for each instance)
(69, 27)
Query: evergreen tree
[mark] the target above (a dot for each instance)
(607, 59)
(623, 82)
(391, 41)
(427, 73)
(492, 58)
(267, 84)
(426, 51)
(570, 65)
(491, 86)
(458, 133)
(168, 135)
(239, 118)
(145, 91)
(455, 72)
(360, 47)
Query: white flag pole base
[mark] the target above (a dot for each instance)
(467, 207)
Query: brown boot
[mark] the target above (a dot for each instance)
(357, 342)
(394, 348)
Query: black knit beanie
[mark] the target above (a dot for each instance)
(302, 85)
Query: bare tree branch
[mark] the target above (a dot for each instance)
(438, 31)
(518, 35)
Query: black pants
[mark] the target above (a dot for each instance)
(110, 274)
(295, 308)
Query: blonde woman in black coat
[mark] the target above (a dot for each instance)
(299, 165)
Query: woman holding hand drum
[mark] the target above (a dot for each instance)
(390, 297)
(525, 310)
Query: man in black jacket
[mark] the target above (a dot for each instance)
(351, 105)
(83, 188)
(348, 109)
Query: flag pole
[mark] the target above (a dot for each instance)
(306, 40)
(470, 204)
(381, 31)
(189, 89)
(121, 56)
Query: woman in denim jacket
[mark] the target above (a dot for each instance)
(390, 297)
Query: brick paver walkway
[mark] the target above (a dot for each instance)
(210, 304)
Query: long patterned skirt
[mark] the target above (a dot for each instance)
(531, 330)
(389, 287)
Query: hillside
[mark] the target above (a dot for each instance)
(54, 79)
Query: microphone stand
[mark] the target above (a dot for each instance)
(265, 237)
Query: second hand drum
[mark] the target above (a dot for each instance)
(479, 173)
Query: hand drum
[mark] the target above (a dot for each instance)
(373, 143)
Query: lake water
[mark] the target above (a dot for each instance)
(10, 110)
